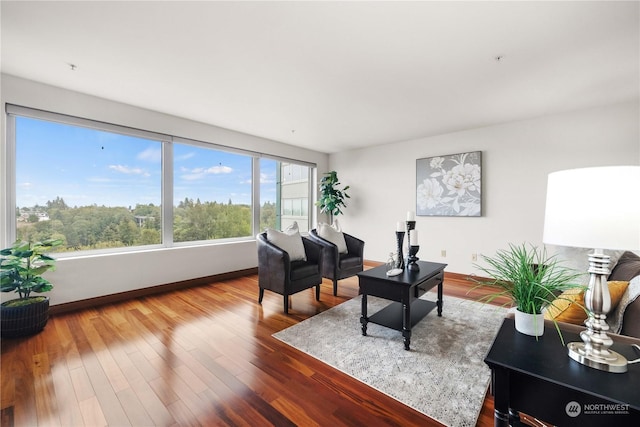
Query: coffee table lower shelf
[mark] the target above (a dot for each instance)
(391, 316)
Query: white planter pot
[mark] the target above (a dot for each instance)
(530, 324)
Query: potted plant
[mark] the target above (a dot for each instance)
(331, 197)
(21, 269)
(531, 279)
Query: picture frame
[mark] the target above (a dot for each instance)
(449, 185)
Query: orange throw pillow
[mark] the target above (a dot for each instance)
(617, 288)
(569, 306)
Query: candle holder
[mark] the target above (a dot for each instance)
(412, 264)
(411, 225)
(399, 240)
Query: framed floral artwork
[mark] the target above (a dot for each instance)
(449, 185)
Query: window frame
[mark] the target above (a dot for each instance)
(167, 180)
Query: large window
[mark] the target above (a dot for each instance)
(93, 189)
(105, 187)
(284, 195)
(211, 193)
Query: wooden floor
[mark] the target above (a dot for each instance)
(201, 356)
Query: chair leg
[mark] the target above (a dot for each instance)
(286, 304)
(318, 293)
(261, 295)
(335, 287)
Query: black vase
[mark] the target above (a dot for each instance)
(24, 320)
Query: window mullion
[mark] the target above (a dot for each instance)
(255, 195)
(8, 227)
(167, 193)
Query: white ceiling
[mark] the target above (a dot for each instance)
(333, 76)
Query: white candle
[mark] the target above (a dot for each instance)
(411, 216)
(413, 236)
(399, 226)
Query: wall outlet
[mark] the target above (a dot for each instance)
(443, 253)
(474, 257)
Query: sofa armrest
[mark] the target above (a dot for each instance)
(274, 266)
(313, 251)
(330, 254)
(570, 327)
(631, 322)
(355, 246)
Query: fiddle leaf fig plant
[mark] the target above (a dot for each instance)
(331, 197)
(22, 266)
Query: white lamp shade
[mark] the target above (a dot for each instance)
(595, 208)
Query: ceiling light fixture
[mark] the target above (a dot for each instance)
(73, 67)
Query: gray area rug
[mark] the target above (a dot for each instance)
(443, 375)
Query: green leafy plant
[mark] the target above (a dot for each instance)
(526, 275)
(331, 197)
(22, 266)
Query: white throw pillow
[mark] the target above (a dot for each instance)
(289, 241)
(336, 237)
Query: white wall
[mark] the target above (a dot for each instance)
(516, 157)
(92, 276)
(516, 160)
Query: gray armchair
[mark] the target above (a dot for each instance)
(337, 266)
(277, 273)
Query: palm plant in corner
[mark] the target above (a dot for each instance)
(21, 269)
(331, 197)
(532, 281)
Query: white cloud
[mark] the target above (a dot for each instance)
(128, 171)
(185, 156)
(151, 154)
(200, 173)
(219, 169)
(267, 179)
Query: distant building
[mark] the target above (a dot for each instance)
(24, 216)
(294, 195)
(141, 219)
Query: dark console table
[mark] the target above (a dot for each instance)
(539, 379)
(404, 289)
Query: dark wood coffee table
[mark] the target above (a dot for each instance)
(404, 290)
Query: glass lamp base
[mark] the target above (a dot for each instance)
(609, 362)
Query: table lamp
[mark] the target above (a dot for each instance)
(596, 208)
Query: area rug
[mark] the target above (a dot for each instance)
(443, 375)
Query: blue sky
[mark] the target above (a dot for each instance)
(86, 166)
